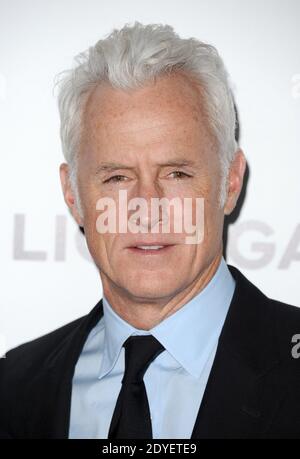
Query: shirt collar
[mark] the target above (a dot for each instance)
(189, 334)
(116, 332)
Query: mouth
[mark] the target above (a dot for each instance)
(151, 249)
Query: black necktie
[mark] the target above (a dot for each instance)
(131, 417)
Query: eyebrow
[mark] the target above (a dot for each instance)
(109, 166)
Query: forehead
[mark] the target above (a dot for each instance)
(167, 112)
(174, 95)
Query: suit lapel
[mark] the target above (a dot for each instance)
(237, 402)
(244, 389)
(48, 414)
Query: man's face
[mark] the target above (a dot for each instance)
(157, 143)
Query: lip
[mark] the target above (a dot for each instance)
(164, 250)
(148, 242)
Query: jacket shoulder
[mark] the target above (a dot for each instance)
(290, 314)
(36, 350)
(25, 370)
(287, 318)
(272, 323)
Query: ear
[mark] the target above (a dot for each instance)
(235, 181)
(69, 195)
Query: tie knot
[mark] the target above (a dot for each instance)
(140, 351)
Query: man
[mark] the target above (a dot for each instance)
(182, 345)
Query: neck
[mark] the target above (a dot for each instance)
(144, 313)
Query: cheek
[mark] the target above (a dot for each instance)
(104, 249)
(206, 206)
(213, 219)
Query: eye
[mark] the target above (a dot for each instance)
(115, 178)
(180, 174)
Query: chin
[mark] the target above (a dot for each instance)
(151, 290)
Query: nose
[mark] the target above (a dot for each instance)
(145, 213)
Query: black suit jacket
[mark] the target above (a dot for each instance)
(253, 390)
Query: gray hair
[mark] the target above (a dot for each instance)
(134, 55)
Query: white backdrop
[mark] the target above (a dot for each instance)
(47, 278)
